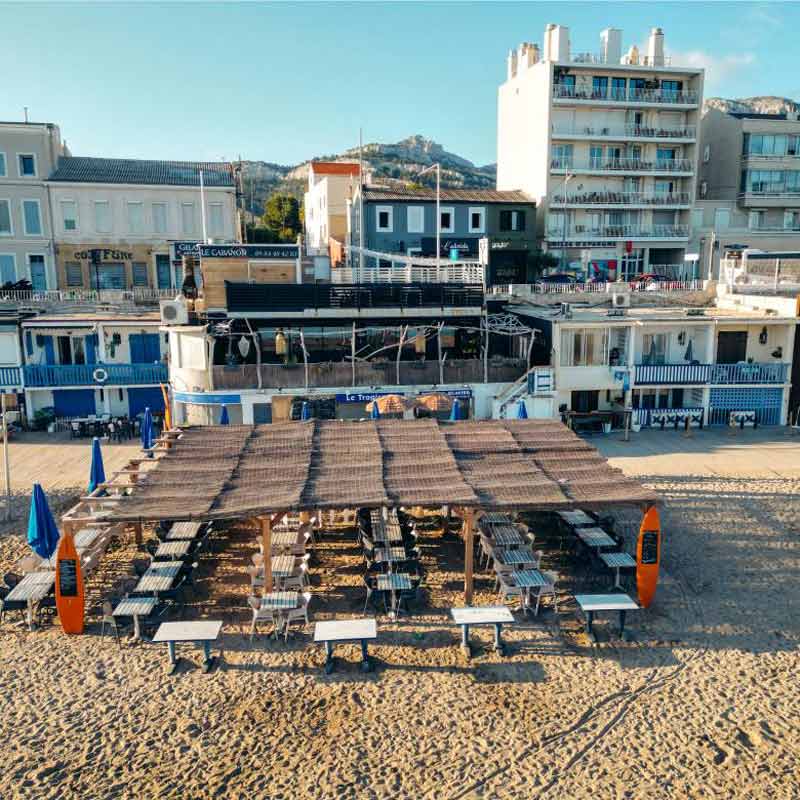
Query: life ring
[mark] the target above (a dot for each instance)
(100, 375)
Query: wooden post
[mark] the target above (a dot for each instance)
(469, 552)
(353, 354)
(137, 532)
(266, 542)
(439, 351)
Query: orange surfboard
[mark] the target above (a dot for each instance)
(70, 596)
(648, 556)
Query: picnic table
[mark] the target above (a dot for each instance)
(159, 577)
(173, 550)
(520, 555)
(592, 603)
(393, 583)
(526, 580)
(31, 589)
(333, 632)
(184, 530)
(481, 615)
(204, 632)
(135, 607)
(618, 561)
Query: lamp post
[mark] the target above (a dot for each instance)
(438, 169)
(568, 176)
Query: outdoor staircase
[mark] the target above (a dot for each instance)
(537, 381)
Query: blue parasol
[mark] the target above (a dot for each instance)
(375, 413)
(224, 419)
(689, 352)
(97, 474)
(147, 431)
(43, 534)
(522, 412)
(455, 412)
(305, 411)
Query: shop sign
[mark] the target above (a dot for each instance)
(103, 255)
(181, 249)
(466, 394)
(256, 251)
(360, 397)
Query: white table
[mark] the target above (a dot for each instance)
(577, 518)
(158, 578)
(619, 602)
(528, 579)
(135, 607)
(333, 632)
(280, 602)
(521, 555)
(282, 566)
(183, 530)
(204, 632)
(481, 615)
(393, 583)
(173, 550)
(284, 540)
(388, 555)
(595, 537)
(32, 588)
(618, 561)
(505, 535)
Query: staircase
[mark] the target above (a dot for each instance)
(536, 382)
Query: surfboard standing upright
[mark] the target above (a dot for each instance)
(70, 597)
(648, 556)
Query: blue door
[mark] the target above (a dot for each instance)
(74, 402)
(162, 271)
(38, 273)
(144, 397)
(145, 348)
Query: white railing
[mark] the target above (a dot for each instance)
(622, 199)
(632, 284)
(668, 165)
(631, 131)
(629, 95)
(446, 273)
(141, 295)
(599, 58)
(586, 232)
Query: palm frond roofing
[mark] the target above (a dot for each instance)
(220, 472)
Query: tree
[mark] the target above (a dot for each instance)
(282, 216)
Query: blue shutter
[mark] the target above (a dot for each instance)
(145, 348)
(91, 344)
(49, 350)
(28, 344)
(140, 398)
(74, 402)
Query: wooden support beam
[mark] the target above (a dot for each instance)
(137, 532)
(266, 546)
(469, 553)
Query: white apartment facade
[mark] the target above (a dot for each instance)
(607, 145)
(330, 185)
(28, 153)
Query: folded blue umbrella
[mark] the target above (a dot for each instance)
(305, 411)
(224, 419)
(522, 412)
(455, 411)
(97, 474)
(147, 430)
(43, 533)
(375, 414)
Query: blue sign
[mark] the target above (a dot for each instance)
(261, 251)
(181, 249)
(208, 398)
(360, 397)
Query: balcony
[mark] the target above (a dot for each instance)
(10, 378)
(664, 166)
(714, 374)
(46, 375)
(769, 199)
(687, 133)
(613, 233)
(412, 273)
(633, 199)
(340, 374)
(659, 97)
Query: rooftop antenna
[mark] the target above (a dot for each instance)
(26, 113)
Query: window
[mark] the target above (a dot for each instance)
(654, 348)
(32, 217)
(216, 221)
(562, 156)
(384, 219)
(139, 273)
(69, 215)
(722, 219)
(8, 268)
(756, 219)
(3, 169)
(671, 88)
(703, 188)
(665, 154)
(27, 165)
(584, 347)
(477, 220)
(102, 216)
(697, 218)
(618, 88)
(595, 156)
(74, 273)
(187, 218)
(791, 220)
(135, 217)
(512, 220)
(447, 220)
(707, 154)
(599, 86)
(416, 219)
(159, 217)
(5, 218)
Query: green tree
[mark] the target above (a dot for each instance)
(282, 216)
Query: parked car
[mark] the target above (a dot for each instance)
(649, 281)
(558, 277)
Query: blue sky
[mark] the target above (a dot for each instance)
(287, 81)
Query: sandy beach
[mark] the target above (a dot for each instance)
(702, 704)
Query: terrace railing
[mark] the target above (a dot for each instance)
(679, 374)
(628, 131)
(749, 373)
(714, 374)
(43, 375)
(621, 199)
(566, 91)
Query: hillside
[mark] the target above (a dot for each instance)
(401, 161)
(758, 105)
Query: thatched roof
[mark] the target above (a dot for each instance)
(244, 471)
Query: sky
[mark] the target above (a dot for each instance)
(285, 82)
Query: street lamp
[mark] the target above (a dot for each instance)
(438, 169)
(568, 176)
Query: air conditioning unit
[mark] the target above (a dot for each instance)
(174, 312)
(566, 310)
(620, 300)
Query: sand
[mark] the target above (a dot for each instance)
(703, 703)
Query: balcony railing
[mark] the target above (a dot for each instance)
(587, 232)
(446, 273)
(139, 296)
(684, 97)
(667, 165)
(629, 131)
(623, 199)
(599, 58)
(10, 377)
(331, 374)
(97, 375)
(714, 374)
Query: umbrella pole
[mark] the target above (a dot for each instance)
(469, 552)
(6, 465)
(266, 544)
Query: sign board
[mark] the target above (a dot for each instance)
(68, 577)
(70, 592)
(467, 246)
(466, 394)
(360, 397)
(692, 257)
(251, 251)
(181, 249)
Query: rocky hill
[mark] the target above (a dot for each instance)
(758, 105)
(401, 161)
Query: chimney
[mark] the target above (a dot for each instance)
(655, 48)
(559, 43)
(633, 55)
(611, 45)
(528, 55)
(511, 64)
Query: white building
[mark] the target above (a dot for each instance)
(607, 145)
(330, 185)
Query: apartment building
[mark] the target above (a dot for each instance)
(28, 154)
(748, 191)
(606, 143)
(330, 185)
(114, 220)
